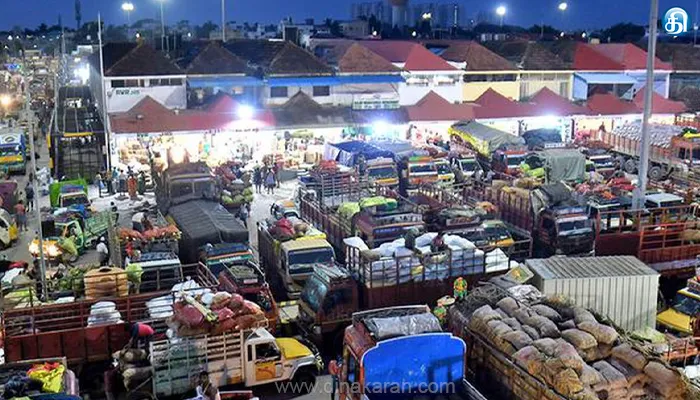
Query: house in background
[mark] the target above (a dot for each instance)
(423, 71)
(131, 73)
(684, 82)
(483, 69)
(538, 67)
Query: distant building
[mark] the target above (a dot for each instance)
(379, 9)
(355, 29)
(441, 15)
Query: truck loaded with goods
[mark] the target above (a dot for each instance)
(373, 164)
(290, 249)
(558, 224)
(555, 165)
(497, 150)
(673, 152)
(525, 345)
(400, 351)
(235, 185)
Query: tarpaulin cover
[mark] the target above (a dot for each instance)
(564, 164)
(483, 138)
(203, 222)
(397, 367)
(398, 148)
(350, 152)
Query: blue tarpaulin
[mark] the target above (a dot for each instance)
(350, 151)
(411, 364)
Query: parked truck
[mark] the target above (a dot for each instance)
(401, 351)
(248, 358)
(671, 152)
(373, 164)
(558, 224)
(13, 152)
(678, 318)
(67, 194)
(497, 150)
(71, 231)
(555, 165)
(289, 264)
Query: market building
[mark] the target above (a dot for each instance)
(685, 78)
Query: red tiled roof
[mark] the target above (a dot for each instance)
(659, 104)
(476, 57)
(495, 105)
(413, 55)
(549, 103)
(629, 56)
(586, 58)
(149, 116)
(492, 98)
(609, 104)
(434, 107)
(360, 59)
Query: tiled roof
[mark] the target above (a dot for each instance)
(492, 104)
(360, 59)
(587, 58)
(302, 110)
(609, 104)
(628, 55)
(214, 60)
(528, 55)
(149, 116)
(476, 57)
(491, 98)
(659, 104)
(549, 103)
(434, 107)
(413, 55)
(277, 57)
(683, 57)
(129, 60)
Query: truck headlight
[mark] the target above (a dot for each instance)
(53, 250)
(33, 248)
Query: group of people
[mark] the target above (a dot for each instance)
(266, 175)
(121, 181)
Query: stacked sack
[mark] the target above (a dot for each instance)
(573, 353)
(223, 312)
(133, 366)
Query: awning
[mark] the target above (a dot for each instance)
(223, 81)
(332, 80)
(606, 78)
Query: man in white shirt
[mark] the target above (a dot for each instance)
(103, 252)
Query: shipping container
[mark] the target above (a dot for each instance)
(621, 288)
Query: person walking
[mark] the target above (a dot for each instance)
(29, 191)
(257, 179)
(99, 184)
(122, 182)
(21, 214)
(132, 187)
(270, 181)
(103, 252)
(334, 370)
(243, 214)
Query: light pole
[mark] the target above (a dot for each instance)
(501, 12)
(223, 21)
(128, 8)
(162, 26)
(563, 6)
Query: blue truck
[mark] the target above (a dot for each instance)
(13, 152)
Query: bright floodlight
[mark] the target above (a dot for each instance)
(128, 6)
(501, 10)
(380, 127)
(245, 111)
(563, 6)
(5, 100)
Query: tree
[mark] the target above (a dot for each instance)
(334, 27)
(115, 34)
(42, 29)
(625, 32)
(546, 29)
(204, 30)
(374, 24)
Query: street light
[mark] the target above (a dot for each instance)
(501, 12)
(162, 25)
(563, 6)
(128, 8)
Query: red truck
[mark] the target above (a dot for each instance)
(61, 330)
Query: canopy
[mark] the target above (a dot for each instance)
(606, 78)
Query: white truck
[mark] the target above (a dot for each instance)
(250, 358)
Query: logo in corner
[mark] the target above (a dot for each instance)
(676, 21)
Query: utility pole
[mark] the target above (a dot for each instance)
(640, 191)
(223, 21)
(103, 98)
(37, 212)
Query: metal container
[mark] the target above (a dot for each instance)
(620, 287)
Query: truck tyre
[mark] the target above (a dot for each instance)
(656, 173)
(631, 166)
(304, 380)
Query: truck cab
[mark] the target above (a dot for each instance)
(284, 209)
(464, 167)
(565, 230)
(508, 161)
(418, 171)
(603, 164)
(446, 176)
(298, 259)
(69, 194)
(382, 172)
(13, 152)
(686, 306)
(8, 229)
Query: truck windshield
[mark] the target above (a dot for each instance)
(514, 161)
(497, 233)
(382, 172)
(302, 261)
(468, 165)
(572, 225)
(74, 200)
(422, 168)
(602, 161)
(10, 151)
(686, 305)
(443, 168)
(313, 293)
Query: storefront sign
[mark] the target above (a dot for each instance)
(375, 102)
(127, 92)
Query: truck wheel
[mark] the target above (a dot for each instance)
(305, 381)
(630, 166)
(656, 173)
